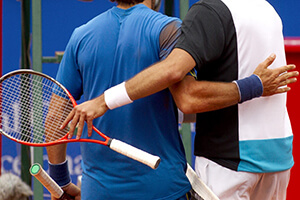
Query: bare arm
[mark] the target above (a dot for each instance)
(161, 75)
(172, 70)
(57, 112)
(193, 96)
(57, 153)
(151, 80)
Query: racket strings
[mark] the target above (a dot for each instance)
(33, 108)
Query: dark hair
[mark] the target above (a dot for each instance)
(128, 1)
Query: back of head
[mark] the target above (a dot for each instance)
(155, 4)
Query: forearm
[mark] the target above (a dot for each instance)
(57, 153)
(160, 75)
(193, 96)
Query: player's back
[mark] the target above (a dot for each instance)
(256, 135)
(108, 50)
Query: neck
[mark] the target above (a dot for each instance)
(125, 5)
(147, 3)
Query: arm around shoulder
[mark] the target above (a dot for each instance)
(192, 96)
(160, 75)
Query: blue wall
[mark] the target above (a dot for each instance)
(59, 18)
(289, 11)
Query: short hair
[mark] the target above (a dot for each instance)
(128, 1)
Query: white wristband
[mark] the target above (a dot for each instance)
(116, 96)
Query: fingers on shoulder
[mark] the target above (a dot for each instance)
(269, 60)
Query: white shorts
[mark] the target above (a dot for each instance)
(232, 185)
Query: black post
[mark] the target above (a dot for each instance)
(25, 64)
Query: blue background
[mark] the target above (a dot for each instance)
(59, 18)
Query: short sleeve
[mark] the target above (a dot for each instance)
(202, 34)
(168, 38)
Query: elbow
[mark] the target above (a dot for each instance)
(185, 109)
(178, 75)
(178, 64)
(174, 72)
(189, 101)
(185, 105)
(174, 76)
(190, 107)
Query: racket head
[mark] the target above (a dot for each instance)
(33, 107)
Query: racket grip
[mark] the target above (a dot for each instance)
(39, 173)
(199, 186)
(135, 153)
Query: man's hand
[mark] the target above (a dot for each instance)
(86, 111)
(71, 190)
(274, 80)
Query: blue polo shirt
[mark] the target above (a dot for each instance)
(106, 51)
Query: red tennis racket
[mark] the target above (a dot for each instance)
(39, 173)
(33, 107)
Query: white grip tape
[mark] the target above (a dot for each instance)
(135, 153)
(199, 186)
(49, 183)
(116, 96)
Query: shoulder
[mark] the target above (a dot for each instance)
(167, 19)
(211, 8)
(155, 17)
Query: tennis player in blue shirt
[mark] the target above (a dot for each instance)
(109, 49)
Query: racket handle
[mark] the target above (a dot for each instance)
(135, 153)
(39, 173)
(199, 186)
